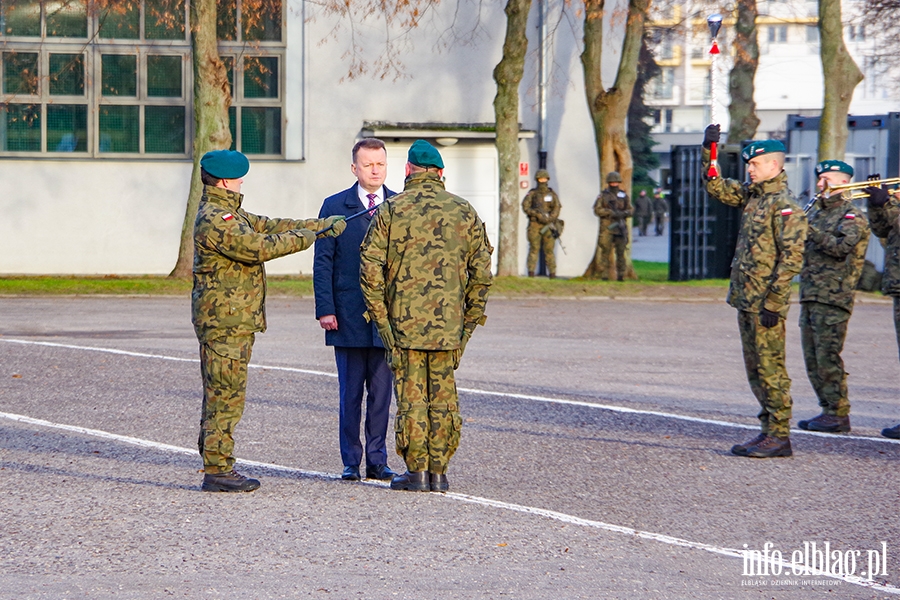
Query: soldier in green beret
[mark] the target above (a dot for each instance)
(228, 302)
(613, 207)
(542, 206)
(425, 270)
(884, 216)
(769, 254)
(832, 264)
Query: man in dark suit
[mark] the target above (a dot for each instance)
(340, 309)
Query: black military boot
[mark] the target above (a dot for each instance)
(439, 482)
(741, 449)
(228, 482)
(826, 423)
(891, 432)
(412, 481)
(770, 447)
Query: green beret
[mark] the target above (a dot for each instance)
(542, 174)
(225, 164)
(833, 166)
(423, 154)
(754, 149)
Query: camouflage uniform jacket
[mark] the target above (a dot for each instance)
(613, 206)
(538, 208)
(769, 250)
(885, 222)
(425, 267)
(643, 206)
(230, 246)
(835, 252)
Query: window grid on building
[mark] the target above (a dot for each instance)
(112, 78)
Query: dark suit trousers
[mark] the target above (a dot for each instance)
(361, 369)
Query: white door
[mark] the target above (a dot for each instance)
(470, 171)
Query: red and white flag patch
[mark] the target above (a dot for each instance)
(786, 212)
(849, 216)
(227, 217)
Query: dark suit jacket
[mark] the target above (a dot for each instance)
(336, 274)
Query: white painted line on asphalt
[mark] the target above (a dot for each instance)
(545, 399)
(541, 512)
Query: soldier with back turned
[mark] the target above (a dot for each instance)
(425, 270)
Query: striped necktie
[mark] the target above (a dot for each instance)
(371, 198)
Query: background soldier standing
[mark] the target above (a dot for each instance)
(832, 264)
(660, 208)
(613, 207)
(541, 204)
(228, 302)
(643, 212)
(884, 216)
(768, 255)
(425, 273)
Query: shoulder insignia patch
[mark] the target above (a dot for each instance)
(227, 217)
(787, 212)
(849, 216)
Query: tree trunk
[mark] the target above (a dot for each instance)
(609, 108)
(742, 110)
(212, 97)
(841, 78)
(508, 75)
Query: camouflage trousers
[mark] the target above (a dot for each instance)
(823, 329)
(764, 360)
(536, 241)
(428, 423)
(223, 365)
(606, 243)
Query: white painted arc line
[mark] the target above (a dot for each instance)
(549, 514)
(545, 399)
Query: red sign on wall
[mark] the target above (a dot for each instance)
(523, 169)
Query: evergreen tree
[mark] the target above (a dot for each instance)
(639, 139)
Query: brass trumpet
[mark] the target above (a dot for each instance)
(856, 188)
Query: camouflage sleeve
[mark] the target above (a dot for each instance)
(554, 210)
(627, 211)
(526, 205)
(843, 241)
(883, 219)
(262, 224)
(789, 228)
(727, 191)
(479, 278)
(372, 265)
(237, 240)
(600, 208)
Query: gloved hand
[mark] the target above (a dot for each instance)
(878, 196)
(337, 226)
(711, 135)
(767, 318)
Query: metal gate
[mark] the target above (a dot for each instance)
(703, 230)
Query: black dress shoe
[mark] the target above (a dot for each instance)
(439, 482)
(412, 481)
(891, 432)
(379, 472)
(228, 482)
(351, 474)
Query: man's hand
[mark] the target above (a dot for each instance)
(334, 226)
(767, 318)
(328, 323)
(711, 135)
(878, 196)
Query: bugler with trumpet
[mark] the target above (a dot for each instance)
(857, 189)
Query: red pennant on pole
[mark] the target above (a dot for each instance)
(715, 48)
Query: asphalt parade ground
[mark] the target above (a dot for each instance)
(594, 463)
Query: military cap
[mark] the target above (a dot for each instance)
(760, 147)
(833, 166)
(225, 164)
(542, 174)
(613, 176)
(423, 154)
